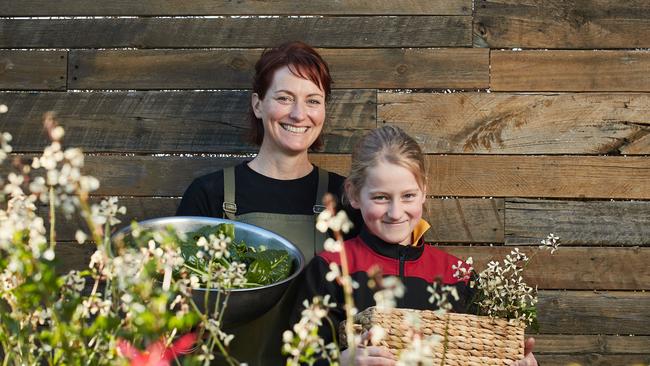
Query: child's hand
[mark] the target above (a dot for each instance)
(529, 358)
(371, 355)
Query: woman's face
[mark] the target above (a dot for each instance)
(292, 112)
(390, 202)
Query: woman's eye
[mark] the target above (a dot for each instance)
(284, 99)
(314, 101)
(410, 196)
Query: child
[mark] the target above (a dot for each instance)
(387, 182)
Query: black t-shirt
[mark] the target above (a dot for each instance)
(258, 193)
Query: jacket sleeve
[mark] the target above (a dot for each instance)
(313, 283)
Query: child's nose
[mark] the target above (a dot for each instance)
(395, 210)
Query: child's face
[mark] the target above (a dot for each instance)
(390, 202)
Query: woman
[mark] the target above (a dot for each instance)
(279, 189)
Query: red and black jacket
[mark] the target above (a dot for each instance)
(418, 266)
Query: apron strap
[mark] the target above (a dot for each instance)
(323, 180)
(229, 206)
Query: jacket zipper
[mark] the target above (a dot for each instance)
(402, 259)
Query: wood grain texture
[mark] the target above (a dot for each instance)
(602, 344)
(168, 122)
(232, 68)
(33, 70)
(621, 71)
(562, 24)
(463, 176)
(577, 222)
(243, 7)
(508, 123)
(539, 176)
(594, 360)
(571, 268)
(587, 312)
(464, 220)
(375, 31)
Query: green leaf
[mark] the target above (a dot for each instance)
(268, 266)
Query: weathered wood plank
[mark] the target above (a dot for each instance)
(464, 220)
(572, 268)
(507, 123)
(33, 70)
(622, 71)
(456, 175)
(232, 68)
(586, 344)
(243, 7)
(375, 31)
(452, 220)
(577, 222)
(593, 360)
(562, 24)
(171, 122)
(539, 176)
(587, 312)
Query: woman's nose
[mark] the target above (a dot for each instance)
(297, 112)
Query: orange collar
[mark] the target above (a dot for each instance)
(418, 231)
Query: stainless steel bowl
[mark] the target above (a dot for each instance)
(243, 305)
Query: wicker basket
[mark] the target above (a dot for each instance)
(467, 340)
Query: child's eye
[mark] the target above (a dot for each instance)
(410, 196)
(379, 198)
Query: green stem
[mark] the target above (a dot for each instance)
(349, 300)
(52, 219)
(86, 214)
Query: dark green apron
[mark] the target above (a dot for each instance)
(259, 342)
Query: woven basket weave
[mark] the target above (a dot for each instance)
(466, 340)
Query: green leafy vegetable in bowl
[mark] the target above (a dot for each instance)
(215, 245)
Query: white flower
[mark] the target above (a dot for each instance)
(88, 183)
(392, 289)
(194, 281)
(48, 255)
(551, 242)
(334, 272)
(332, 245)
(338, 222)
(323, 220)
(126, 298)
(80, 236)
(57, 133)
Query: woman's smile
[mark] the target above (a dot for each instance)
(294, 129)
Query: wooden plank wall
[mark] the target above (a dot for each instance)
(535, 116)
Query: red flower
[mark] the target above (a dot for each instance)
(157, 354)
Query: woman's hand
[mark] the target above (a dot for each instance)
(368, 356)
(529, 358)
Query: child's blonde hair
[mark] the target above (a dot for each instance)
(389, 144)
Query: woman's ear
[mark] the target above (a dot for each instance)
(351, 195)
(256, 105)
